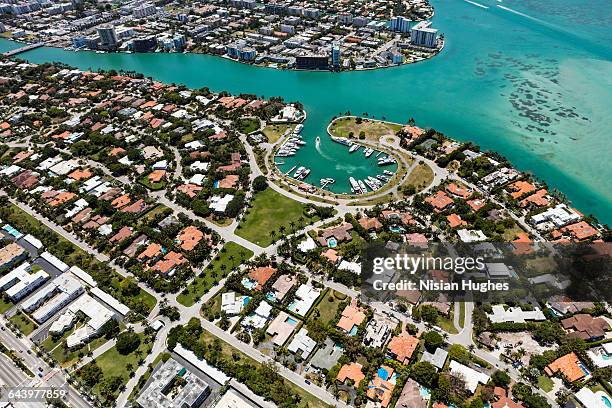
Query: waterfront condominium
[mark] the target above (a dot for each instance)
(423, 35)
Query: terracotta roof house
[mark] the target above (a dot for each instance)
(380, 388)
(401, 347)
(477, 203)
(440, 200)
(123, 234)
(152, 251)
(580, 231)
(341, 233)
(520, 188)
(190, 190)
(585, 327)
(189, 238)
(459, 191)
(170, 261)
(370, 224)
(570, 366)
(136, 207)
(331, 255)
(351, 371)
(455, 220)
(79, 174)
(156, 176)
(230, 181)
(538, 199)
(61, 198)
(352, 317)
(121, 201)
(261, 275)
(503, 401)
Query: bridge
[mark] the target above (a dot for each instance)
(25, 48)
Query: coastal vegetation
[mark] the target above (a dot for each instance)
(362, 128)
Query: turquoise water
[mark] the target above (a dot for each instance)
(535, 86)
(606, 401)
(332, 243)
(291, 321)
(383, 374)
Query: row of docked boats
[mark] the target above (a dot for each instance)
(373, 183)
(367, 151)
(292, 144)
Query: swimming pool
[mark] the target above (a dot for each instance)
(383, 374)
(291, 321)
(332, 243)
(245, 300)
(354, 330)
(271, 297)
(425, 393)
(606, 401)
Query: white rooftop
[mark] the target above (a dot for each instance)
(471, 376)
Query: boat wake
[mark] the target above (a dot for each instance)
(318, 147)
(521, 14)
(476, 4)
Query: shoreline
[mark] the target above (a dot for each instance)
(225, 57)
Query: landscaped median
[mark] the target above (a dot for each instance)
(230, 256)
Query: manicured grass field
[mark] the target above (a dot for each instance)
(247, 125)
(420, 177)
(66, 357)
(5, 305)
(113, 364)
(231, 255)
(23, 323)
(274, 132)
(545, 383)
(374, 130)
(271, 210)
(462, 315)
(326, 308)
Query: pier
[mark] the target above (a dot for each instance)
(25, 48)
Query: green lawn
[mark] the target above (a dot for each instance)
(420, 177)
(5, 305)
(247, 125)
(23, 323)
(462, 314)
(159, 209)
(113, 364)
(545, 383)
(326, 308)
(66, 357)
(231, 255)
(274, 132)
(270, 211)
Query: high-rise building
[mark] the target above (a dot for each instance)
(335, 55)
(423, 35)
(345, 18)
(108, 37)
(399, 24)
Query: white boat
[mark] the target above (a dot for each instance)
(341, 140)
(299, 171)
(354, 148)
(362, 186)
(318, 140)
(354, 186)
(383, 161)
(299, 128)
(368, 152)
(388, 173)
(303, 174)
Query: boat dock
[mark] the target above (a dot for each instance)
(25, 48)
(290, 170)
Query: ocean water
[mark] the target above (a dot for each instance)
(530, 79)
